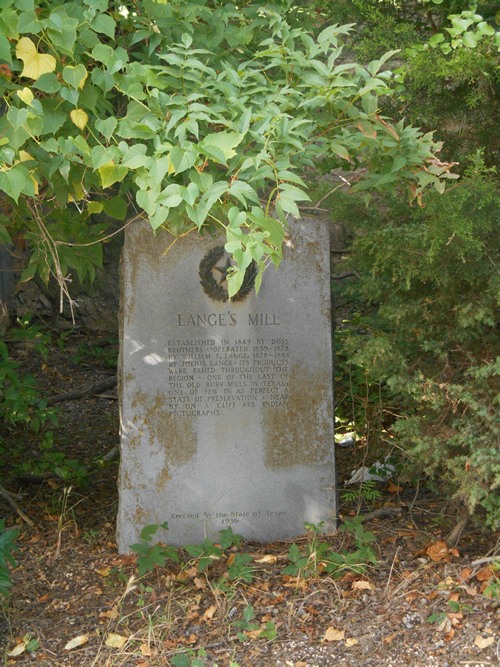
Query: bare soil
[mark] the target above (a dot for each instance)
(423, 604)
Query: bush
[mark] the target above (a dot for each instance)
(26, 419)
(422, 331)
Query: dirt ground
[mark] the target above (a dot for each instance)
(76, 602)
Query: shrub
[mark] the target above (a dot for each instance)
(423, 331)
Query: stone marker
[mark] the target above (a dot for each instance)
(226, 407)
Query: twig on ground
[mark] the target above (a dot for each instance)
(109, 383)
(9, 497)
(390, 572)
(347, 274)
(480, 561)
(381, 512)
(454, 536)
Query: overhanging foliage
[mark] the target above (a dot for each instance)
(196, 115)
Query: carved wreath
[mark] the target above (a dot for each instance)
(216, 289)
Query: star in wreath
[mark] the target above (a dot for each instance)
(216, 285)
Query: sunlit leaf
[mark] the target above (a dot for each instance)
(76, 641)
(111, 173)
(35, 64)
(79, 118)
(115, 641)
(25, 95)
(333, 635)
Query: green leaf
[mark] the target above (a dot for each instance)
(248, 613)
(399, 163)
(107, 127)
(147, 200)
(272, 226)
(111, 173)
(191, 193)
(9, 22)
(242, 191)
(94, 207)
(135, 155)
(182, 159)
(47, 83)
(75, 76)
(5, 52)
(17, 181)
(370, 103)
(149, 531)
(116, 208)
(104, 24)
(220, 145)
(4, 236)
(294, 553)
(340, 150)
(171, 196)
(292, 192)
(17, 117)
(101, 156)
(159, 216)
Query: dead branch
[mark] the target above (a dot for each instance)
(381, 512)
(109, 383)
(10, 498)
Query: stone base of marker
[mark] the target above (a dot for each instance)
(226, 407)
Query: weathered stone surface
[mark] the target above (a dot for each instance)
(226, 407)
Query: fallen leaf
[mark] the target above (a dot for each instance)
(394, 488)
(455, 617)
(76, 641)
(298, 664)
(267, 559)
(351, 641)
(333, 635)
(465, 574)
(483, 642)
(484, 574)
(449, 635)
(17, 650)
(437, 551)
(199, 583)
(210, 612)
(362, 585)
(444, 626)
(112, 614)
(295, 582)
(115, 641)
(146, 650)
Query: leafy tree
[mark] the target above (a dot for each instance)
(445, 65)
(420, 342)
(195, 115)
